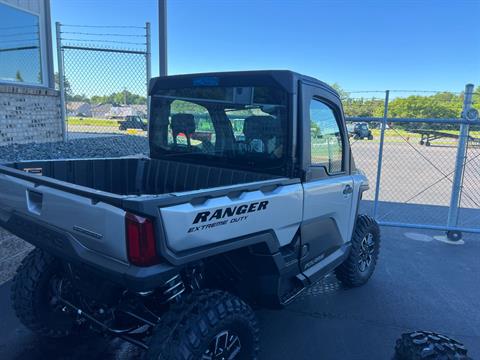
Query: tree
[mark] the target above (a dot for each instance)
(18, 76)
(440, 105)
(343, 94)
(119, 98)
(66, 86)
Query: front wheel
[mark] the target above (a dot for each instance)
(209, 325)
(365, 247)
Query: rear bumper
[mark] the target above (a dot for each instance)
(65, 246)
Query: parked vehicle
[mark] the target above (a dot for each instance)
(170, 252)
(133, 122)
(361, 131)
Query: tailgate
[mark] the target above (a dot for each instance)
(97, 226)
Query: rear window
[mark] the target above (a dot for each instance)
(242, 126)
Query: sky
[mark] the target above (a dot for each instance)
(361, 45)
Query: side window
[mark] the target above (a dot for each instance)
(326, 138)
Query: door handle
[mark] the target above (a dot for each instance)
(34, 202)
(348, 189)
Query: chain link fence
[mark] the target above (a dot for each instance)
(412, 161)
(469, 215)
(104, 85)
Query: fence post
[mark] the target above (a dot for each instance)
(61, 81)
(380, 154)
(459, 167)
(148, 56)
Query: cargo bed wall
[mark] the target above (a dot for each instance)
(139, 176)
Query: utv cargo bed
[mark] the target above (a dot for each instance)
(118, 181)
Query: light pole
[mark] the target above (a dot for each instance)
(162, 37)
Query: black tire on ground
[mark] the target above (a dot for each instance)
(421, 142)
(361, 262)
(208, 318)
(31, 296)
(428, 345)
(454, 235)
(428, 143)
(370, 137)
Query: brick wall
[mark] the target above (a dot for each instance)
(29, 115)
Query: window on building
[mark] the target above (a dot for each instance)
(326, 138)
(20, 46)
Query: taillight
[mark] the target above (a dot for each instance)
(140, 240)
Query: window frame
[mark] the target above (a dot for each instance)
(338, 120)
(42, 38)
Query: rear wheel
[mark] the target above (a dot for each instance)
(210, 325)
(33, 296)
(361, 261)
(428, 345)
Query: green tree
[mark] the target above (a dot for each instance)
(343, 94)
(119, 98)
(18, 76)
(66, 86)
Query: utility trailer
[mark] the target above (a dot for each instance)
(427, 136)
(182, 243)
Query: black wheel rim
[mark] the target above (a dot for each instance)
(367, 249)
(224, 346)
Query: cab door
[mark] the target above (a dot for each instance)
(327, 184)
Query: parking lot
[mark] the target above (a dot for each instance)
(419, 175)
(419, 284)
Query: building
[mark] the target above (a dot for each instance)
(101, 111)
(119, 112)
(79, 109)
(29, 104)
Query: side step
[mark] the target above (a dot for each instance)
(318, 271)
(291, 295)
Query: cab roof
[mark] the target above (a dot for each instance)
(287, 79)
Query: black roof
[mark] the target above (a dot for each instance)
(285, 78)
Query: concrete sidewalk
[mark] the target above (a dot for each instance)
(419, 284)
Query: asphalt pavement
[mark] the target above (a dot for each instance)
(420, 283)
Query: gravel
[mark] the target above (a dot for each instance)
(111, 146)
